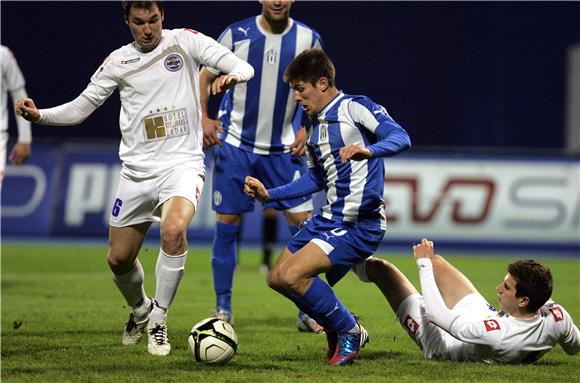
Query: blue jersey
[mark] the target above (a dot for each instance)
(354, 190)
(260, 116)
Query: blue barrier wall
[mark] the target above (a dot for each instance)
(499, 201)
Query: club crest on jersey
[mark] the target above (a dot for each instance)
(323, 133)
(217, 198)
(173, 62)
(271, 57)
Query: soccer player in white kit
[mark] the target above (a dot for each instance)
(452, 321)
(13, 82)
(161, 149)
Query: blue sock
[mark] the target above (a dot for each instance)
(305, 308)
(223, 263)
(324, 303)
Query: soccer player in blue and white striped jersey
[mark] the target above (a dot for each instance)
(260, 132)
(347, 140)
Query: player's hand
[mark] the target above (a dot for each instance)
(222, 83)
(355, 153)
(25, 108)
(20, 153)
(297, 147)
(254, 188)
(211, 129)
(424, 249)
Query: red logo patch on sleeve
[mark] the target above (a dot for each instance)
(411, 324)
(557, 313)
(491, 325)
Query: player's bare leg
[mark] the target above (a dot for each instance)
(394, 285)
(124, 245)
(451, 282)
(176, 214)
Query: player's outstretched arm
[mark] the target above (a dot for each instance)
(254, 188)
(26, 108)
(71, 113)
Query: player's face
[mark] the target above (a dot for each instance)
(146, 26)
(276, 10)
(506, 295)
(310, 97)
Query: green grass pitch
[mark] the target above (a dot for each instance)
(62, 319)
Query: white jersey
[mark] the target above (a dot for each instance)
(13, 82)
(160, 117)
(492, 337)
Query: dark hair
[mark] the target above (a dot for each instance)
(533, 281)
(310, 66)
(127, 5)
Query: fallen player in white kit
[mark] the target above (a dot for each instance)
(452, 321)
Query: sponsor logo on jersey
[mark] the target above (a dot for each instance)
(165, 125)
(557, 313)
(271, 57)
(130, 61)
(491, 325)
(173, 62)
(217, 198)
(411, 324)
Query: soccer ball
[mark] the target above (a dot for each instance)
(212, 341)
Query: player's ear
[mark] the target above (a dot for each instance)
(323, 84)
(524, 302)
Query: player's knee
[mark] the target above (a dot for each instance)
(119, 264)
(288, 280)
(172, 237)
(376, 268)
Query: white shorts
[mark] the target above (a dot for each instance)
(434, 342)
(140, 200)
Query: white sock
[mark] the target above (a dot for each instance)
(131, 285)
(168, 273)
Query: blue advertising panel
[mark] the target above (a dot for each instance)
(28, 192)
(86, 191)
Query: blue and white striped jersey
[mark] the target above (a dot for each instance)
(354, 190)
(260, 116)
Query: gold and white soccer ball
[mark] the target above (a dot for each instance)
(212, 341)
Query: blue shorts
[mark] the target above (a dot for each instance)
(346, 244)
(231, 167)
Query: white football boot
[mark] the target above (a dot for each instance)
(158, 340)
(134, 331)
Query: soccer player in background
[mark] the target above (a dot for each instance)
(259, 133)
(347, 142)
(452, 321)
(13, 82)
(161, 150)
